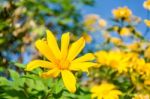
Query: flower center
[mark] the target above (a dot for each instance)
(63, 64)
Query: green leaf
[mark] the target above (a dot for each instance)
(59, 86)
(19, 65)
(14, 75)
(1, 69)
(3, 81)
(39, 85)
(17, 82)
(86, 96)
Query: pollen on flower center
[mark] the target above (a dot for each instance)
(63, 64)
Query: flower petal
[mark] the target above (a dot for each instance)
(69, 80)
(45, 50)
(93, 96)
(113, 94)
(65, 39)
(82, 66)
(116, 92)
(84, 58)
(51, 73)
(39, 63)
(95, 89)
(76, 48)
(52, 43)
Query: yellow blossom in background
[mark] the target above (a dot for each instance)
(135, 46)
(133, 58)
(139, 65)
(122, 13)
(106, 35)
(102, 23)
(147, 82)
(142, 67)
(105, 91)
(125, 31)
(87, 37)
(146, 69)
(141, 96)
(116, 41)
(147, 53)
(146, 4)
(101, 57)
(92, 17)
(134, 19)
(90, 20)
(116, 28)
(115, 59)
(62, 61)
(94, 22)
(147, 22)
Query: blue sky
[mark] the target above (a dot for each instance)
(104, 9)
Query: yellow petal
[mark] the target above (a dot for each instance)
(64, 45)
(147, 82)
(113, 94)
(95, 92)
(52, 43)
(108, 86)
(76, 48)
(93, 96)
(82, 66)
(69, 80)
(100, 97)
(95, 89)
(51, 73)
(39, 63)
(116, 92)
(86, 57)
(45, 50)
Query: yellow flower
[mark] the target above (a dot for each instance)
(102, 57)
(106, 35)
(141, 96)
(147, 53)
(115, 28)
(147, 22)
(62, 61)
(88, 38)
(146, 4)
(135, 46)
(120, 62)
(142, 67)
(90, 20)
(133, 57)
(147, 82)
(122, 13)
(116, 40)
(134, 19)
(139, 65)
(105, 91)
(102, 23)
(125, 31)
